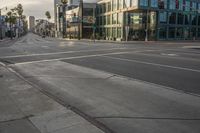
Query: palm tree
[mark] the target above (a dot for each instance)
(11, 19)
(48, 15)
(19, 11)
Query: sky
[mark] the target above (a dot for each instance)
(35, 8)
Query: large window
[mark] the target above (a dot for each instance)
(179, 32)
(194, 19)
(104, 20)
(194, 6)
(193, 32)
(187, 5)
(163, 17)
(135, 18)
(198, 32)
(120, 18)
(100, 20)
(198, 6)
(108, 5)
(119, 32)
(172, 18)
(187, 19)
(134, 3)
(108, 20)
(199, 20)
(114, 5)
(180, 18)
(109, 32)
(88, 12)
(114, 18)
(180, 5)
(163, 33)
(120, 3)
(171, 32)
(162, 4)
(172, 4)
(143, 2)
(127, 3)
(103, 8)
(186, 33)
(154, 3)
(114, 32)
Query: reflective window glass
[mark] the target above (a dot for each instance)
(187, 19)
(127, 3)
(162, 4)
(172, 18)
(143, 2)
(171, 32)
(172, 4)
(163, 17)
(154, 3)
(180, 18)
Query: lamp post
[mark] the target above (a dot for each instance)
(80, 26)
(64, 2)
(147, 25)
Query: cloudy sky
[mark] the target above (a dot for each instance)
(35, 8)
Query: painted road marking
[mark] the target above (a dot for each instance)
(76, 57)
(57, 53)
(155, 64)
(168, 54)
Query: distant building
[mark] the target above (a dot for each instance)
(81, 25)
(44, 27)
(58, 14)
(31, 23)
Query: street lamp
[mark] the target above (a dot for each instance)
(147, 26)
(64, 2)
(80, 26)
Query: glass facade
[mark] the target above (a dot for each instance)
(158, 19)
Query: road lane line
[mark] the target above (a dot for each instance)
(76, 57)
(155, 64)
(56, 53)
(169, 57)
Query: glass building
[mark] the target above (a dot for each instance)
(148, 19)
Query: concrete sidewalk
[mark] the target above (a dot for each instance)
(123, 105)
(25, 109)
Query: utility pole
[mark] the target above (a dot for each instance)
(80, 26)
(64, 2)
(94, 25)
(147, 25)
(1, 36)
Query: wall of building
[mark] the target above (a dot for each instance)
(167, 20)
(85, 23)
(31, 23)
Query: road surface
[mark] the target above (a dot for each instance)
(125, 88)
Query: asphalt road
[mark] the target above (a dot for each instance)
(170, 65)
